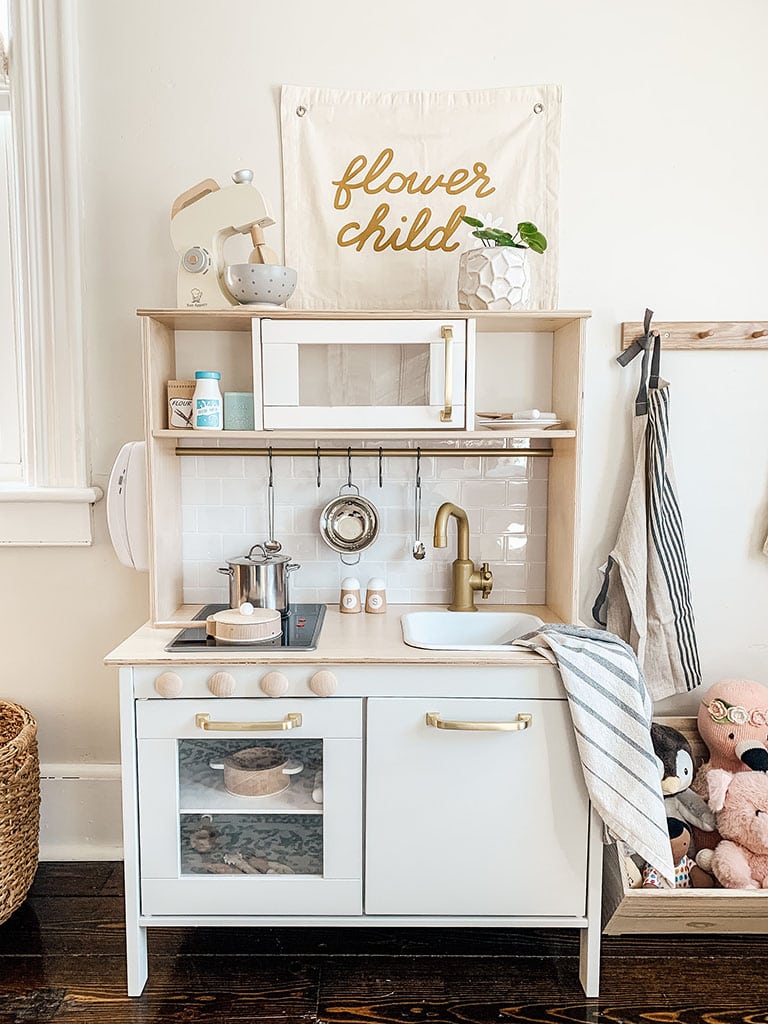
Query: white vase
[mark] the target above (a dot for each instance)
(494, 277)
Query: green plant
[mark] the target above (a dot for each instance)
(489, 232)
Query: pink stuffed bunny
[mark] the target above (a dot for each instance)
(740, 803)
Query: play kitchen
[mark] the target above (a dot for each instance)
(288, 758)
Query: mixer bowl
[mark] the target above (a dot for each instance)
(263, 284)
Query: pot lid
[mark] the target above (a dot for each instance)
(258, 556)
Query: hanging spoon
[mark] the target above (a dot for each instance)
(419, 551)
(271, 546)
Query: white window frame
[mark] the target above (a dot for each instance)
(53, 505)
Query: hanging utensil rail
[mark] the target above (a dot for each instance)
(373, 453)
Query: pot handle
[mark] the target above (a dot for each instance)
(292, 768)
(292, 567)
(229, 571)
(219, 765)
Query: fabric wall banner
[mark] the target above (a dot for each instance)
(375, 185)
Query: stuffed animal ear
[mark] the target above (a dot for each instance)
(718, 781)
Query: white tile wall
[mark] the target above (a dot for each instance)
(224, 512)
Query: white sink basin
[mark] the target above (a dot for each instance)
(466, 631)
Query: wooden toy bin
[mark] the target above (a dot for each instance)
(677, 911)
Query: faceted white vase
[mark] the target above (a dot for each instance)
(494, 277)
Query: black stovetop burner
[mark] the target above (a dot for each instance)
(301, 628)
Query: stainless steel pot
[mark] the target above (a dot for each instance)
(260, 577)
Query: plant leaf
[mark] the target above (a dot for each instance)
(491, 236)
(537, 242)
(525, 227)
(473, 222)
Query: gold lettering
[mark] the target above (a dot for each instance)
(353, 234)
(344, 187)
(481, 173)
(438, 239)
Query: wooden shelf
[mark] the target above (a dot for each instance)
(239, 318)
(267, 437)
(213, 798)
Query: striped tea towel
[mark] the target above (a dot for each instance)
(611, 713)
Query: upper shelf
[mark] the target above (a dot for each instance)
(239, 317)
(311, 436)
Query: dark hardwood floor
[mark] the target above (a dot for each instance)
(61, 960)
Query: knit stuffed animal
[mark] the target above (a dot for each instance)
(676, 766)
(733, 723)
(740, 803)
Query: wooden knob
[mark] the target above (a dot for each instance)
(169, 684)
(222, 684)
(274, 684)
(323, 683)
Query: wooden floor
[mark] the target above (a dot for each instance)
(61, 959)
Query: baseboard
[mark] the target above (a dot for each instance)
(80, 817)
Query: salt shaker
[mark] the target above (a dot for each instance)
(349, 600)
(376, 596)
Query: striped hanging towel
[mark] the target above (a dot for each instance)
(611, 714)
(646, 597)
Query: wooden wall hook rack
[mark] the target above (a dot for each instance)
(686, 334)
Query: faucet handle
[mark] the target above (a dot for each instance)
(486, 577)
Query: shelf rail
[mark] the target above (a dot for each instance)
(371, 453)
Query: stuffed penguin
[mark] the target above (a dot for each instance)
(675, 757)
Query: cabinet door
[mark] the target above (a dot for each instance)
(240, 815)
(349, 374)
(467, 822)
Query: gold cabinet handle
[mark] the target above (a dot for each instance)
(446, 414)
(291, 721)
(433, 719)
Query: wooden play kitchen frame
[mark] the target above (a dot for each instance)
(547, 344)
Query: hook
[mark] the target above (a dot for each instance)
(349, 467)
(318, 464)
(381, 469)
(269, 457)
(418, 467)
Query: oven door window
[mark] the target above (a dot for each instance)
(250, 807)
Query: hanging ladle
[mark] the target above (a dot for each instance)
(271, 546)
(419, 551)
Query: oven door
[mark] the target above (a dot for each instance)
(213, 842)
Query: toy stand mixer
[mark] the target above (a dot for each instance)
(202, 218)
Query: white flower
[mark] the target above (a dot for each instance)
(490, 222)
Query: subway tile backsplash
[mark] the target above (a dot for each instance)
(224, 512)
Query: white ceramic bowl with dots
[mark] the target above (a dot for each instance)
(260, 284)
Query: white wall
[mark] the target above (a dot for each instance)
(662, 204)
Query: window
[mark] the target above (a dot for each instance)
(45, 497)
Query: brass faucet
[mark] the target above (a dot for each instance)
(466, 578)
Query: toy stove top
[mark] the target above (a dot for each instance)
(300, 631)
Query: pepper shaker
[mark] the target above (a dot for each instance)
(349, 600)
(376, 596)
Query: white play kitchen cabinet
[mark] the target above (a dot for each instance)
(404, 786)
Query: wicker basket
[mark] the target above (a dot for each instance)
(19, 805)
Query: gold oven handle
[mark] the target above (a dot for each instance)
(446, 414)
(291, 721)
(433, 719)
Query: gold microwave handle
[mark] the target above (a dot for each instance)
(523, 721)
(446, 414)
(291, 721)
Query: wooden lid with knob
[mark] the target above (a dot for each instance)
(244, 625)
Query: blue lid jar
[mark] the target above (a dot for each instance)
(207, 375)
